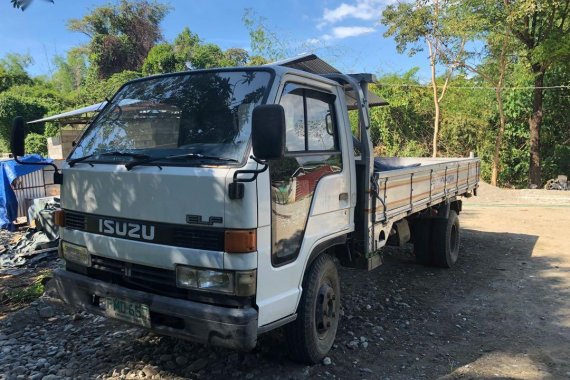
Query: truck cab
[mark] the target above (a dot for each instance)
(214, 205)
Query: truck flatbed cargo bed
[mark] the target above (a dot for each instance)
(407, 185)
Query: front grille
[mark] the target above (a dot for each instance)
(75, 220)
(199, 239)
(211, 239)
(136, 272)
(152, 280)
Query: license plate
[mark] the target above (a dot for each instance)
(128, 311)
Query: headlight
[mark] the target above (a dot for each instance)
(241, 283)
(186, 277)
(76, 254)
(216, 281)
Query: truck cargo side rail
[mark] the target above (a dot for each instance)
(409, 190)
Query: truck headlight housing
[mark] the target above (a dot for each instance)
(76, 254)
(239, 283)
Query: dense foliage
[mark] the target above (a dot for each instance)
(502, 42)
(36, 143)
(11, 105)
(469, 123)
(121, 35)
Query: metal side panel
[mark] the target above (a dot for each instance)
(411, 189)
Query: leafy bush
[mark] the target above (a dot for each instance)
(42, 93)
(51, 129)
(8, 80)
(96, 90)
(36, 143)
(161, 59)
(12, 106)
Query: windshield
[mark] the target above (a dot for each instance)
(201, 113)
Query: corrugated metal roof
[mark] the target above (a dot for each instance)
(309, 63)
(79, 111)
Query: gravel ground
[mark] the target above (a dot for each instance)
(19, 274)
(502, 312)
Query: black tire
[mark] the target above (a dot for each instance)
(421, 237)
(312, 334)
(445, 240)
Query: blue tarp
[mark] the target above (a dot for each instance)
(10, 171)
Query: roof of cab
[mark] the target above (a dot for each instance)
(311, 63)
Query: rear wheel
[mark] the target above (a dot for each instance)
(312, 334)
(446, 240)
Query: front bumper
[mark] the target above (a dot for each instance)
(215, 325)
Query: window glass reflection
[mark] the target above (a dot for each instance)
(205, 113)
(295, 177)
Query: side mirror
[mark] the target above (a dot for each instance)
(17, 137)
(17, 146)
(268, 132)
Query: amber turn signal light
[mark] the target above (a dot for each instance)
(240, 241)
(59, 217)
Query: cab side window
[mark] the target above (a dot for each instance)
(293, 103)
(310, 120)
(321, 133)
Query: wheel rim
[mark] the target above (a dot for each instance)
(325, 312)
(454, 242)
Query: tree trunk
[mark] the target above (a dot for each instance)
(534, 124)
(435, 98)
(435, 126)
(496, 166)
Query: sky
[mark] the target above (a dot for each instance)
(348, 32)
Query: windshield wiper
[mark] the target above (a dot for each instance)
(192, 156)
(137, 156)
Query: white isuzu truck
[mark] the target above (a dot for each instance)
(215, 205)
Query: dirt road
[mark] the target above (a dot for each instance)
(502, 312)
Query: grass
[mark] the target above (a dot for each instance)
(27, 294)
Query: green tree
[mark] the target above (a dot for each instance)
(555, 132)
(256, 60)
(187, 48)
(8, 79)
(533, 32)
(515, 150)
(16, 63)
(160, 59)
(41, 93)
(71, 71)
(96, 90)
(265, 42)
(543, 31)
(494, 71)
(184, 45)
(36, 143)
(207, 56)
(235, 57)
(466, 119)
(11, 106)
(493, 63)
(420, 23)
(13, 70)
(121, 35)
(401, 129)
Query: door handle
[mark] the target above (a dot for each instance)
(343, 197)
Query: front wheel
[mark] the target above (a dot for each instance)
(312, 334)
